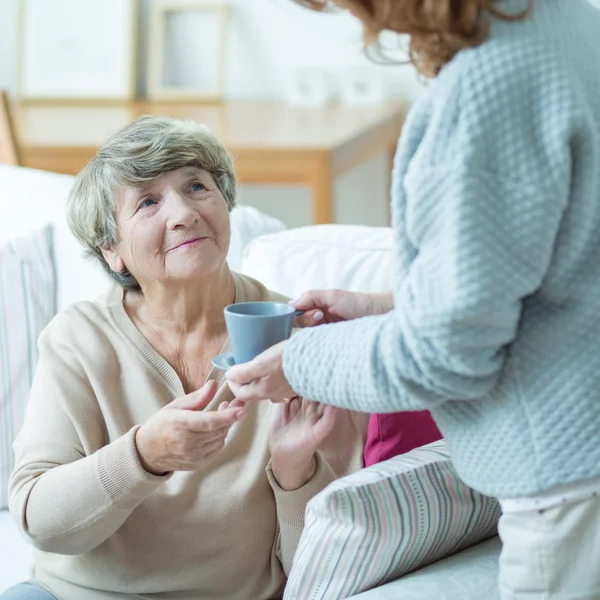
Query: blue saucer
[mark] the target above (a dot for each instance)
(223, 361)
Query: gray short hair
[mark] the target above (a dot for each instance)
(134, 155)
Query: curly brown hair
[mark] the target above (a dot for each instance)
(438, 29)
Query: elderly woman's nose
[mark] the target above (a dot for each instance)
(182, 210)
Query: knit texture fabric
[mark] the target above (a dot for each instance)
(496, 210)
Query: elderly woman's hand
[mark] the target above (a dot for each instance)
(297, 429)
(262, 378)
(182, 437)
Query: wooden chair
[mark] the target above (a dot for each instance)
(9, 151)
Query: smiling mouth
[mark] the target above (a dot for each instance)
(188, 243)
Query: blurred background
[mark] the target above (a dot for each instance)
(266, 40)
(273, 52)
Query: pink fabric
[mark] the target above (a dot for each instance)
(396, 433)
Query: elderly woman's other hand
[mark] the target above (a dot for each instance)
(297, 429)
(332, 306)
(182, 437)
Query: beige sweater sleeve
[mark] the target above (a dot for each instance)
(291, 507)
(68, 498)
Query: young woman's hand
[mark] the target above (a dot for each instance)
(262, 378)
(333, 306)
(297, 428)
(182, 437)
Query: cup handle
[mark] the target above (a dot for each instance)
(299, 313)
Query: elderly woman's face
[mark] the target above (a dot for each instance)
(175, 227)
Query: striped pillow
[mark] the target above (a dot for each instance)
(27, 300)
(385, 521)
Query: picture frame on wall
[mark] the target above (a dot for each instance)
(77, 50)
(187, 57)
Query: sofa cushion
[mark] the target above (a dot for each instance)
(26, 306)
(350, 257)
(468, 575)
(385, 521)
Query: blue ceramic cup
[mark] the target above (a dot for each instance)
(255, 326)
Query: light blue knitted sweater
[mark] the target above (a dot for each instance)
(496, 204)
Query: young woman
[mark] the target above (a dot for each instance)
(494, 321)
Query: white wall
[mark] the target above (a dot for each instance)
(268, 39)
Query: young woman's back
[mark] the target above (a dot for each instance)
(500, 165)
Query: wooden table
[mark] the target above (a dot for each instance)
(271, 143)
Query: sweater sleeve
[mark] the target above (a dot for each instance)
(291, 507)
(479, 203)
(66, 499)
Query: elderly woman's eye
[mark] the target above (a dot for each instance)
(147, 203)
(196, 186)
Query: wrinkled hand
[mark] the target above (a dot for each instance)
(181, 437)
(332, 306)
(262, 378)
(297, 429)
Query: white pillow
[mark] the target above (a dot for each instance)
(26, 307)
(30, 199)
(248, 223)
(77, 277)
(350, 257)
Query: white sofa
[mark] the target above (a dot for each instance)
(291, 261)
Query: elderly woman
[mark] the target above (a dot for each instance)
(138, 475)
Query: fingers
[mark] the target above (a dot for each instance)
(324, 306)
(249, 392)
(241, 374)
(198, 399)
(202, 422)
(283, 410)
(244, 374)
(294, 407)
(268, 363)
(310, 318)
(325, 424)
(314, 303)
(310, 300)
(262, 378)
(236, 403)
(246, 392)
